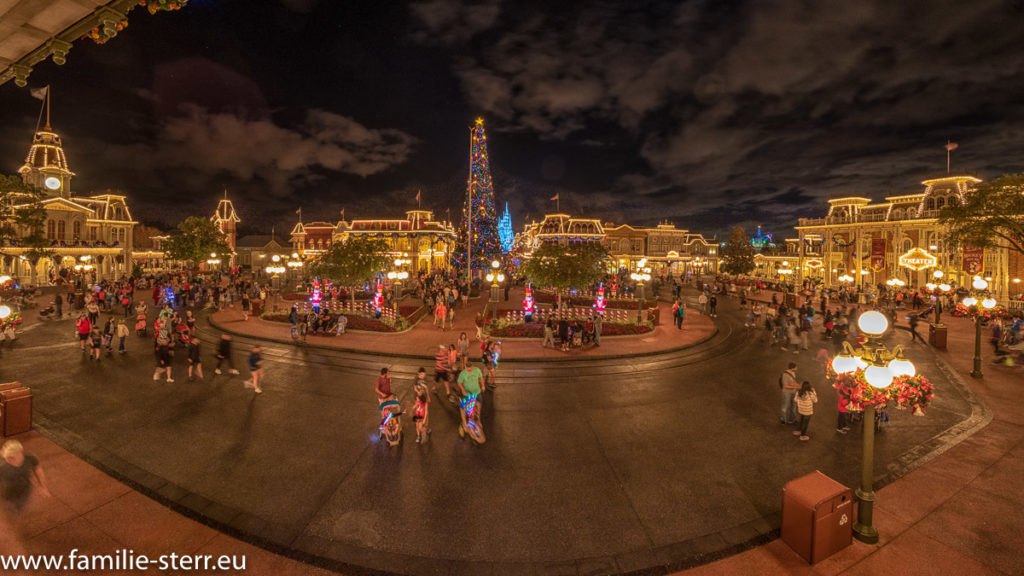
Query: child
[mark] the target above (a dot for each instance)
(420, 410)
(194, 363)
(95, 343)
(256, 369)
(805, 400)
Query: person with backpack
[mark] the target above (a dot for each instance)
(789, 386)
(805, 400)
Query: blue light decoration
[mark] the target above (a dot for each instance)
(169, 296)
(316, 297)
(762, 240)
(505, 231)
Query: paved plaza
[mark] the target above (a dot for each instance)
(592, 465)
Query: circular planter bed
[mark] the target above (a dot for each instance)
(354, 322)
(536, 330)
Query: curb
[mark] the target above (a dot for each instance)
(216, 326)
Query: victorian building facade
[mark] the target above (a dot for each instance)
(427, 243)
(900, 237)
(92, 233)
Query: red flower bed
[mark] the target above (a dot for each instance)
(536, 330)
(354, 322)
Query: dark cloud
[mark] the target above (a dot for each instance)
(827, 97)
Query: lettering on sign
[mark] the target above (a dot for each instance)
(918, 259)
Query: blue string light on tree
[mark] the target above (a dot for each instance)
(486, 244)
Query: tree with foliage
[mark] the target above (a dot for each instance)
(23, 219)
(196, 239)
(991, 213)
(738, 253)
(564, 267)
(352, 262)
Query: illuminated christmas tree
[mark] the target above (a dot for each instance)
(479, 217)
(505, 231)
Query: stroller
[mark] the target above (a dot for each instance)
(469, 408)
(391, 421)
(140, 325)
(48, 313)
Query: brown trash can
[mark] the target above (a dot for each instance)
(654, 315)
(15, 409)
(817, 516)
(791, 300)
(937, 336)
(256, 307)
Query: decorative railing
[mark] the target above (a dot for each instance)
(542, 314)
(1015, 305)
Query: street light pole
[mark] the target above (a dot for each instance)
(495, 278)
(975, 308)
(863, 529)
(976, 373)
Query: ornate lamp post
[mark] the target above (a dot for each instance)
(642, 274)
(275, 281)
(938, 291)
(213, 260)
(978, 310)
(397, 276)
(495, 277)
(295, 265)
(881, 367)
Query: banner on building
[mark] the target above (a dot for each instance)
(877, 253)
(974, 260)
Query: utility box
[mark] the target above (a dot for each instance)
(791, 301)
(15, 409)
(937, 335)
(817, 516)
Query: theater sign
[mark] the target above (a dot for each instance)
(918, 259)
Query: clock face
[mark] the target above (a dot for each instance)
(52, 183)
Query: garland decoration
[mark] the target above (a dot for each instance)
(155, 6)
(838, 241)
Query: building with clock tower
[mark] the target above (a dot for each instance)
(90, 237)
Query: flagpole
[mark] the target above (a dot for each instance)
(947, 156)
(48, 107)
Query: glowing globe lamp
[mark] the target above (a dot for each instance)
(979, 283)
(5, 311)
(845, 364)
(938, 274)
(873, 322)
(930, 286)
(878, 376)
(901, 367)
(945, 287)
(988, 303)
(970, 301)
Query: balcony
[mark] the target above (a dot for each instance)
(812, 221)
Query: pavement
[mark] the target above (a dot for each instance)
(423, 339)
(636, 452)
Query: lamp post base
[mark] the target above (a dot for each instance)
(866, 534)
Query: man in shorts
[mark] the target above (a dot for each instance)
(443, 370)
(194, 363)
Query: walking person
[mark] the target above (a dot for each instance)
(443, 370)
(789, 385)
(163, 359)
(420, 410)
(108, 335)
(914, 319)
(20, 474)
(245, 306)
(549, 337)
(713, 306)
(255, 370)
(195, 363)
(84, 327)
(462, 348)
(842, 407)
(95, 343)
(805, 400)
(598, 321)
(224, 354)
(121, 332)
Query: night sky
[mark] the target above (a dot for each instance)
(704, 113)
